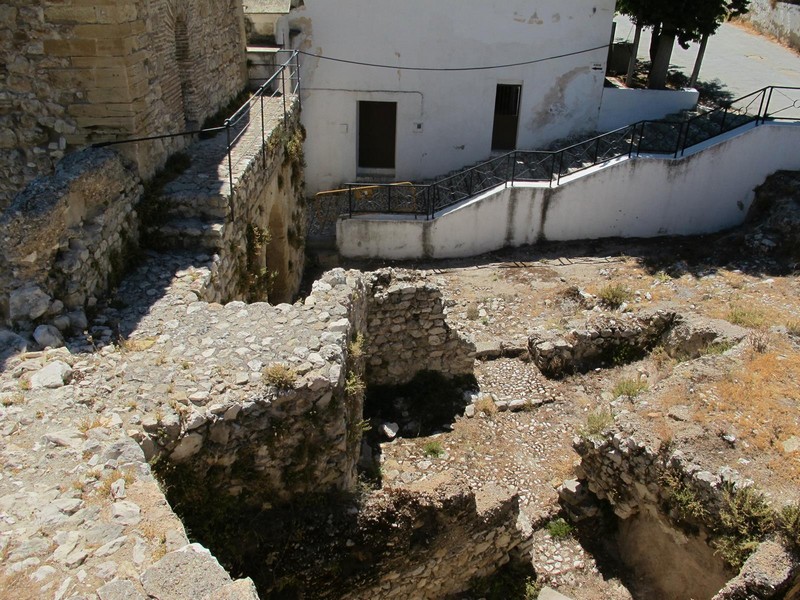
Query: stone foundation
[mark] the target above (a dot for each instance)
(68, 238)
(79, 73)
(408, 332)
(648, 486)
(606, 339)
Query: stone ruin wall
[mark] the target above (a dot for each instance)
(78, 72)
(269, 198)
(472, 535)
(70, 237)
(263, 444)
(250, 437)
(67, 239)
(408, 333)
(637, 476)
(305, 438)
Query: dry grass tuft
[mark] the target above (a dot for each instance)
(629, 387)
(486, 405)
(91, 423)
(280, 375)
(747, 316)
(103, 489)
(137, 344)
(615, 295)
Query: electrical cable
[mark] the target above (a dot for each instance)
(445, 69)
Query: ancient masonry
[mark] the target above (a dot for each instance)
(71, 236)
(82, 71)
(640, 477)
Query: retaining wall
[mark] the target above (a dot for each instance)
(708, 190)
(779, 19)
(67, 238)
(268, 201)
(624, 106)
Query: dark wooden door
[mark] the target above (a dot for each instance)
(377, 134)
(506, 117)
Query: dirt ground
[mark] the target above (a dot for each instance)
(735, 406)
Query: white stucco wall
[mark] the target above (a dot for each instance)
(560, 97)
(706, 191)
(625, 106)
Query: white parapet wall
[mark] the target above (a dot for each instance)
(624, 106)
(708, 190)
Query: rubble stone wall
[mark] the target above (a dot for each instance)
(469, 537)
(78, 72)
(638, 478)
(268, 199)
(254, 435)
(67, 238)
(408, 333)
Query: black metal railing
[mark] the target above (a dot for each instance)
(284, 83)
(671, 138)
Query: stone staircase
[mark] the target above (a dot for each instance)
(190, 211)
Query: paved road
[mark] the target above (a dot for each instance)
(739, 60)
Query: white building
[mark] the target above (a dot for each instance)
(401, 123)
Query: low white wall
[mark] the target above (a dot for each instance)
(625, 106)
(708, 190)
(776, 18)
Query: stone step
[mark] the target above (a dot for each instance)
(194, 205)
(186, 233)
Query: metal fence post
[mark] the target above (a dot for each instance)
(633, 139)
(350, 199)
(283, 92)
(513, 167)
(297, 70)
(769, 102)
(560, 166)
(263, 135)
(389, 198)
(596, 150)
(230, 164)
(724, 118)
(641, 137)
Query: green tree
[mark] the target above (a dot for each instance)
(684, 21)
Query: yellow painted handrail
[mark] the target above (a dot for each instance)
(362, 188)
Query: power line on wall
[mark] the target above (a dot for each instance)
(441, 69)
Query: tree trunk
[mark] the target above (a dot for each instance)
(698, 63)
(660, 67)
(654, 42)
(635, 51)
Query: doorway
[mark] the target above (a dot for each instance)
(377, 135)
(506, 116)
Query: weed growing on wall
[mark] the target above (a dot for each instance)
(559, 529)
(745, 519)
(597, 422)
(280, 376)
(681, 498)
